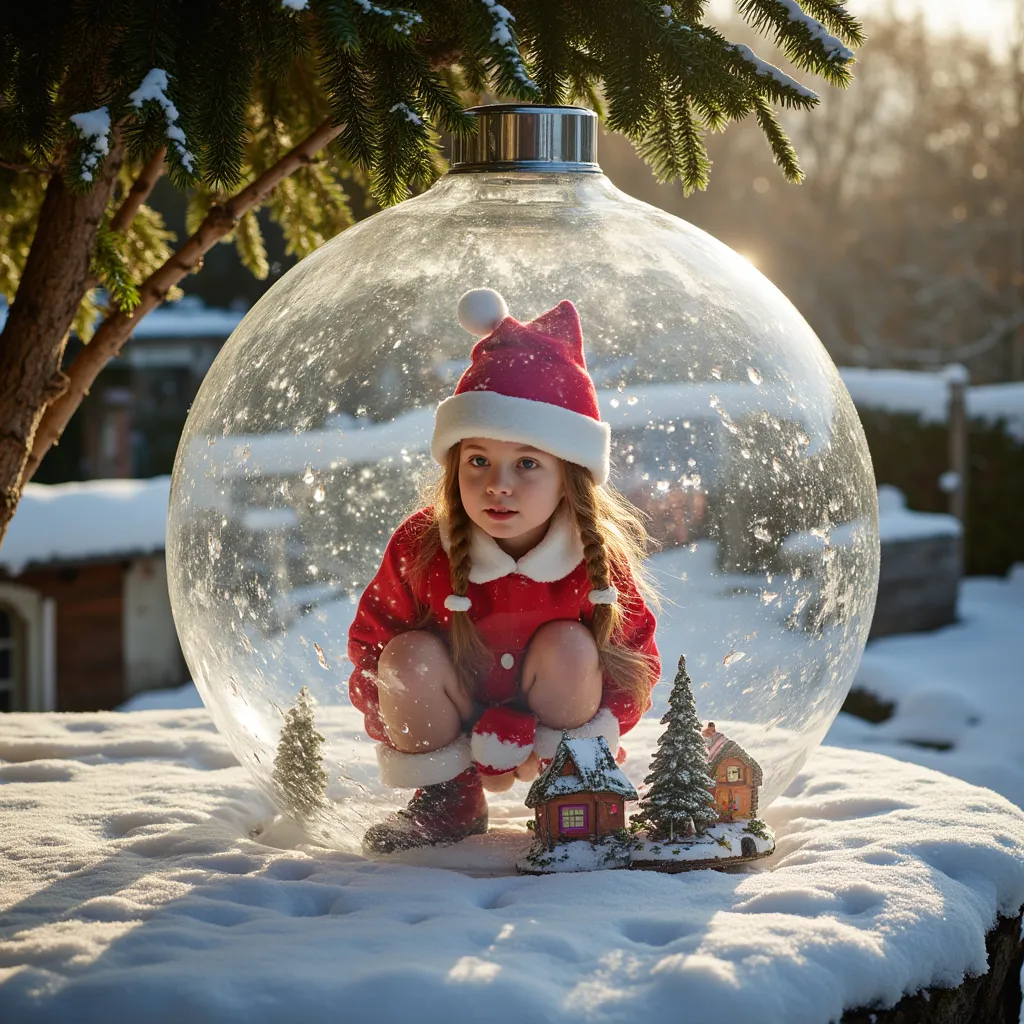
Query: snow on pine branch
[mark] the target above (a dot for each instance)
(836, 48)
(154, 89)
(405, 21)
(410, 114)
(763, 69)
(295, 5)
(502, 35)
(94, 126)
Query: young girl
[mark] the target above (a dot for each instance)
(512, 609)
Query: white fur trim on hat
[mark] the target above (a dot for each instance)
(604, 723)
(480, 310)
(411, 771)
(607, 596)
(550, 428)
(457, 603)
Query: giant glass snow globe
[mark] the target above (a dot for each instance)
(308, 443)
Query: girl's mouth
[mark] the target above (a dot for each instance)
(500, 514)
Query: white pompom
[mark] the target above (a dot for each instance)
(481, 310)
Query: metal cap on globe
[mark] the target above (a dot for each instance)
(309, 442)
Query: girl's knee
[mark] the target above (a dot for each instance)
(563, 642)
(413, 658)
(562, 675)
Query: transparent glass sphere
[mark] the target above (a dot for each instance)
(308, 444)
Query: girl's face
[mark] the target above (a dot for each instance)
(509, 490)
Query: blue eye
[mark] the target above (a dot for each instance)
(529, 463)
(477, 460)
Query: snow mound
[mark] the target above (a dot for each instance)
(134, 889)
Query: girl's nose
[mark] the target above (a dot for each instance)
(499, 481)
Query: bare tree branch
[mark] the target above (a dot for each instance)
(117, 327)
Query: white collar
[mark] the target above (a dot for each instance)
(560, 551)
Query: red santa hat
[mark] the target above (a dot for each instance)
(526, 383)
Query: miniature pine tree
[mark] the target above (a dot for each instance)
(679, 798)
(298, 765)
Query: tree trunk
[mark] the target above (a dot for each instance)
(33, 340)
(117, 327)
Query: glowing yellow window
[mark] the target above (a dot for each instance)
(572, 818)
(732, 774)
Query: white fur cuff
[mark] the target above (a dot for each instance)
(604, 723)
(607, 596)
(494, 756)
(411, 771)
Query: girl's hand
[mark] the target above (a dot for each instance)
(526, 772)
(529, 769)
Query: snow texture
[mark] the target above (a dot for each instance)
(502, 36)
(596, 772)
(407, 111)
(926, 395)
(896, 523)
(111, 518)
(154, 90)
(146, 878)
(958, 687)
(95, 128)
(187, 318)
(721, 842)
(835, 48)
(403, 21)
(765, 70)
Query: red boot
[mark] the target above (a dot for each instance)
(443, 813)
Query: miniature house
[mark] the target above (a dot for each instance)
(581, 795)
(737, 777)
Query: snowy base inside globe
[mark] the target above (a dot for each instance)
(722, 845)
(728, 842)
(575, 855)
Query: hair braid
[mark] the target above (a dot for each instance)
(613, 533)
(470, 655)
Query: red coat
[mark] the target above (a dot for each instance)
(510, 601)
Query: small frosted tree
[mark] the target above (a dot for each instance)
(298, 765)
(679, 797)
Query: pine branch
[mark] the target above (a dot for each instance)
(782, 148)
(117, 327)
(139, 192)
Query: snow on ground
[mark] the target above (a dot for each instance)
(110, 517)
(147, 877)
(135, 889)
(959, 686)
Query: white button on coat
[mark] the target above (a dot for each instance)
(507, 661)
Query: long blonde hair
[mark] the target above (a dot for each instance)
(615, 543)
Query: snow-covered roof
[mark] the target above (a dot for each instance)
(896, 524)
(722, 747)
(60, 523)
(189, 317)
(596, 772)
(927, 395)
(347, 439)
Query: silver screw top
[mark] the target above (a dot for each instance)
(524, 137)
